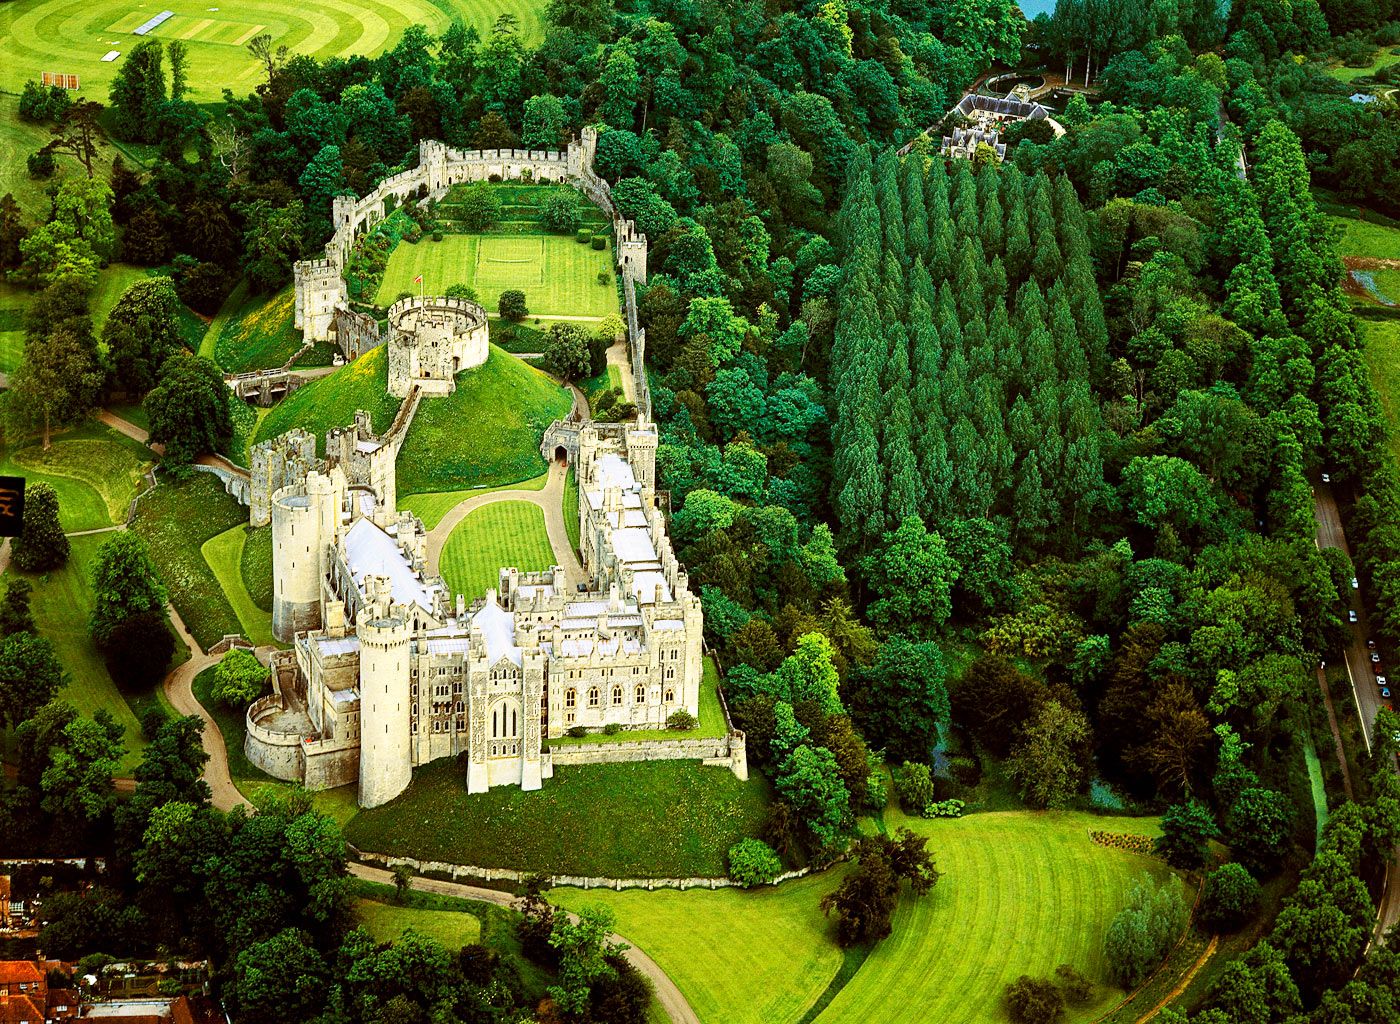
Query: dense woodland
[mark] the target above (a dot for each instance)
(997, 474)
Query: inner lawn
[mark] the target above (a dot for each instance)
(176, 519)
(558, 275)
(432, 506)
(1026, 891)
(331, 401)
(648, 819)
(484, 434)
(95, 470)
(571, 523)
(223, 553)
(508, 533)
(61, 603)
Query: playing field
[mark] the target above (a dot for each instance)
(1021, 893)
(503, 534)
(72, 36)
(558, 275)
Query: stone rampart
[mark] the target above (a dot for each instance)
(715, 750)
(277, 753)
(327, 764)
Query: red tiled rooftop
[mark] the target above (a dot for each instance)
(15, 972)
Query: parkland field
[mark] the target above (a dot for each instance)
(72, 36)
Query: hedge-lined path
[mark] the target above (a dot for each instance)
(550, 501)
(677, 1008)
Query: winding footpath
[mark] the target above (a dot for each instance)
(677, 1007)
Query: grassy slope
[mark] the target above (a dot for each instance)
(95, 471)
(647, 819)
(453, 928)
(486, 433)
(176, 520)
(331, 401)
(1022, 892)
(224, 555)
(255, 331)
(739, 957)
(711, 719)
(61, 603)
(510, 533)
(255, 566)
(557, 274)
(433, 505)
(69, 36)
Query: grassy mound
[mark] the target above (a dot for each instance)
(503, 534)
(484, 434)
(95, 471)
(331, 401)
(176, 520)
(652, 819)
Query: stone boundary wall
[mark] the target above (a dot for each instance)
(726, 751)
(236, 484)
(467, 873)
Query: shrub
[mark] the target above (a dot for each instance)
(40, 164)
(583, 236)
(576, 731)
(239, 679)
(1034, 1001)
(967, 771)
(753, 862)
(944, 809)
(561, 211)
(1230, 899)
(599, 242)
(461, 291)
(153, 719)
(914, 787)
(138, 650)
(40, 103)
(1076, 988)
(41, 544)
(1143, 932)
(437, 236)
(612, 728)
(512, 305)
(681, 721)
(604, 278)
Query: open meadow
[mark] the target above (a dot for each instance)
(72, 36)
(1021, 892)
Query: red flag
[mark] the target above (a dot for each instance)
(418, 279)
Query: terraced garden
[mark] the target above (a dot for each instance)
(502, 534)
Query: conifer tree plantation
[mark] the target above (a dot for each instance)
(947, 452)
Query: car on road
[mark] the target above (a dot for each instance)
(1327, 478)
(1371, 644)
(1380, 681)
(1355, 585)
(1351, 615)
(1375, 658)
(1385, 692)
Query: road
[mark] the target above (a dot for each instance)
(677, 1007)
(1363, 684)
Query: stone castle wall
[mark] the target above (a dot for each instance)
(277, 753)
(728, 751)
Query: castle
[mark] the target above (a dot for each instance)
(389, 671)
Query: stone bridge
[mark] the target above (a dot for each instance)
(265, 387)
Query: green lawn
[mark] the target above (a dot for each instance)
(571, 523)
(61, 603)
(331, 401)
(254, 332)
(19, 138)
(1364, 232)
(504, 534)
(14, 300)
(485, 433)
(760, 957)
(519, 338)
(1383, 57)
(432, 506)
(1021, 892)
(255, 566)
(71, 36)
(95, 470)
(176, 520)
(386, 922)
(224, 555)
(1380, 329)
(711, 719)
(557, 274)
(652, 818)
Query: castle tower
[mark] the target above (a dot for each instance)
(641, 451)
(386, 756)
